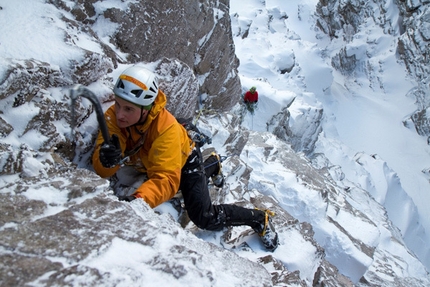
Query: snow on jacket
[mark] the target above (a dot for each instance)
(165, 150)
(251, 97)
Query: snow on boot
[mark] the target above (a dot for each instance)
(267, 232)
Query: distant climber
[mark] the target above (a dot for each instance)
(250, 100)
(251, 96)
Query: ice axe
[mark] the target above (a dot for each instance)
(79, 90)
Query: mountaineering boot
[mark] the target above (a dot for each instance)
(267, 232)
(218, 179)
(213, 169)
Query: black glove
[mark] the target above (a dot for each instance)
(127, 198)
(110, 153)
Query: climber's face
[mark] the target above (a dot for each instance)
(128, 114)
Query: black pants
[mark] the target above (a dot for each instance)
(194, 187)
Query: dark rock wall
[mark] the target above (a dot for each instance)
(197, 33)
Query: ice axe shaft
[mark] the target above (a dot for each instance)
(82, 91)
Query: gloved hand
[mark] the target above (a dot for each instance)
(110, 153)
(127, 198)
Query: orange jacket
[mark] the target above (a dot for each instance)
(164, 152)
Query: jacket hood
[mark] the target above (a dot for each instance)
(159, 104)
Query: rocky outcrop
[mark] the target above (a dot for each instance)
(301, 132)
(414, 50)
(179, 83)
(61, 225)
(47, 249)
(198, 34)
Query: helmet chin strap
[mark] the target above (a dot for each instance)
(140, 121)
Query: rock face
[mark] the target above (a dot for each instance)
(413, 47)
(90, 222)
(61, 225)
(304, 133)
(179, 83)
(198, 34)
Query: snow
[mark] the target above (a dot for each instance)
(25, 36)
(361, 115)
(363, 131)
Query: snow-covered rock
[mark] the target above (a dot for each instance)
(61, 224)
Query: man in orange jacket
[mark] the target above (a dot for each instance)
(149, 136)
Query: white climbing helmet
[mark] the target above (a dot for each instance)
(137, 85)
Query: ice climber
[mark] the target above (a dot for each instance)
(250, 99)
(251, 96)
(150, 137)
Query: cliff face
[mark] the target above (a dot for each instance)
(61, 224)
(197, 33)
(189, 45)
(414, 49)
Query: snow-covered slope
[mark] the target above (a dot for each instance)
(363, 109)
(344, 211)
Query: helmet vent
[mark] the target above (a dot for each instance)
(120, 85)
(137, 93)
(148, 97)
(152, 90)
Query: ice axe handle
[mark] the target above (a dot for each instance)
(82, 91)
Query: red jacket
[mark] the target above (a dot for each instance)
(251, 97)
